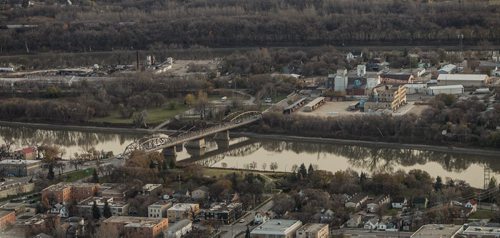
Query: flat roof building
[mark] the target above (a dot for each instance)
(179, 229)
(467, 80)
(19, 168)
(437, 230)
(133, 227)
(159, 209)
(118, 208)
(181, 211)
(65, 192)
(276, 228)
(446, 89)
(226, 213)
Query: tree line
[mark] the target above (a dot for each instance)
(85, 26)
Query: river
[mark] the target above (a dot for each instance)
(249, 152)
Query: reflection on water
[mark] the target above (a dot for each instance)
(242, 152)
(333, 157)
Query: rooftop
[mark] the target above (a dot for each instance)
(312, 227)
(277, 226)
(182, 206)
(134, 221)
(100, 201)
(436, 230)
(18, 161)
(161, 203)
(150, 186)
(178, 225)
(463, 77)
(446, 87)
(63, 185)
(224, 206)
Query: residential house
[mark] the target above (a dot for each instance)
(149, 188)
(420, 202)
(159, 209)
(377, 203)
(181, 211)
(276, 228)
(28, 153)
(313, 230)
(471, 204)
(200, 193)
(60, 209)
(399, 202)
(354, 221)
(370, 223)
(356, 201)
(179, 229)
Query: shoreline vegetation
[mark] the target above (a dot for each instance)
(470, 150)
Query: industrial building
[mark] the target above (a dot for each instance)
(387, 97)
(19, 168)
(448, 89)
(467, 80)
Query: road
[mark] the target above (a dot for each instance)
(232, 230)
(375, 234)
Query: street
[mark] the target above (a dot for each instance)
(238, 229)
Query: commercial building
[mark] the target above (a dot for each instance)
(387, 97)
(15, 186)
(276, 228)
(227, 213)
(479, 231)
(181, 211)
(437, 230)
(7, 218)
(467, 80)
(65, 192)
(447, 89)
(313, 230)
(179, 229)
(118, 208)
(159, 209)
(133, 227)
(19, 168)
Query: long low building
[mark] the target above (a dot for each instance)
(467, 80)
(314, 104)
(19, 168)
(448, 89)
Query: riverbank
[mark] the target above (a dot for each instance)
(138, 131)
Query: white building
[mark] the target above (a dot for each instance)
(448, 69)
(159, 209)
(399, 202)
(341, 80)
(276, 228)
(449, 89)
(181, 211)
(179, 229)
(413, 88)
(467, 80)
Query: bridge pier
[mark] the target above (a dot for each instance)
(222, 139)
(195, 144)
(178, 148)
(170, 152)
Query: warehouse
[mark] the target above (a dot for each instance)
(448, 89)
(467, 80)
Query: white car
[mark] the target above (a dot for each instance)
(268, 100)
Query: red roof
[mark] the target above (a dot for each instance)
(27, 150)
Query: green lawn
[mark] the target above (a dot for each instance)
(482, 214)
(77, 175)
(155, 115)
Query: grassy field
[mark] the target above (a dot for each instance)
(77, 175)
(482, 214)
(155, 115)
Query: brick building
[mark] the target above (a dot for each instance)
(133, 227)
(7, 218)
(65, 192)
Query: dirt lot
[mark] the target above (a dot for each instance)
(180, 67)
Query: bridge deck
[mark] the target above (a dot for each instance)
(202, 133)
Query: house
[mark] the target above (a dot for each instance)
(448, 69)
(260, 217)
(354, 55)
(377, 203)
(181, 211)
(420, 202)
(313, 230)
(399, 202)
(354, 221)
(371, 223)
(471, 204)
(200, 193)
(356, 201)
(276, 228)
(28, 153)
(60, 209)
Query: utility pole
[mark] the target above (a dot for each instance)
(461, 43)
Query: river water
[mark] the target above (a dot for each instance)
(259, 154)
